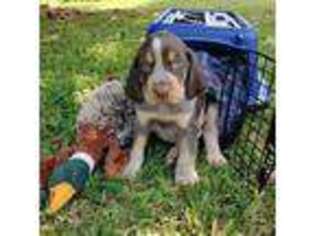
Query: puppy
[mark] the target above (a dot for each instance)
(168, 88)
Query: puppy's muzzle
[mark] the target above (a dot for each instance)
(162, 88)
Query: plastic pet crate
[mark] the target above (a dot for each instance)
(227, 43)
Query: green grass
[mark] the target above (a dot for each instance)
(75, 57)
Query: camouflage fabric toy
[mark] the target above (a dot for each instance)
(104, 131)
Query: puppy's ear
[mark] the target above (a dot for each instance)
(194, 83)
(134, 81)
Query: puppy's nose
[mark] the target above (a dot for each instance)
(161, 88)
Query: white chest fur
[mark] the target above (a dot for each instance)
(180, 114)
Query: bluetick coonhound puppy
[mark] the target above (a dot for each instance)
(167, 86)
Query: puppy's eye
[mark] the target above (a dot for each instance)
(176, 63)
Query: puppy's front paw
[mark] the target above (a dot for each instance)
(216, 160)
(132, 167)
(188, 177)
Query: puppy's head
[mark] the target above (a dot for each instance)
(165, 71)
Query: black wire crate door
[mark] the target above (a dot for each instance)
(247, 115)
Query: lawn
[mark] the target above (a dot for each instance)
(76, 55)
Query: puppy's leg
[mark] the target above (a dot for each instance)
(136, 155)
(211, 136)
(185, 172)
